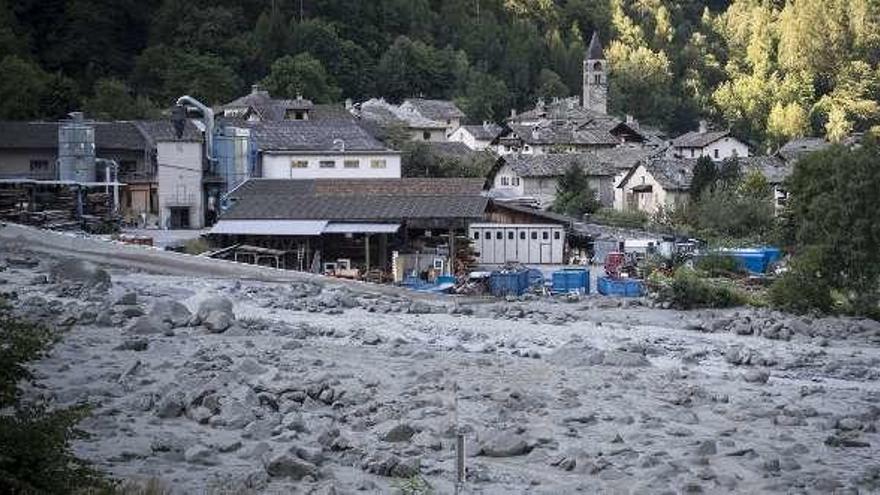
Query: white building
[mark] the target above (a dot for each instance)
(657, 183)
(476, 137)
(321, 149)
(717, 145)
(180, 189)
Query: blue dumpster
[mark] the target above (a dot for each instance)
(509, 283)
(622, 287)
(571, 280)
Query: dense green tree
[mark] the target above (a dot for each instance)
(347, 62)
(302, 75)
(113, 100)
(550, 85)
(704, 178)
(835, 210)
(484, 98)
(164, 73)
(574, 197)
(22, 88)
(412, 68)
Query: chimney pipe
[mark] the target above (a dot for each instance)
(208, 118)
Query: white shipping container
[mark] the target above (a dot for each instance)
(523, 243)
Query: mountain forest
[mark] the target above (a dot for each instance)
(769, 70)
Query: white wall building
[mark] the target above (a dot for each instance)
(327, 165)
(717, 145)
(476, 137)
(180, 194)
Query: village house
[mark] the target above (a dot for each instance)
(533, 179)
(259, 106)
(421, 120)
(717, 145)
(477, 137)
(659, 183)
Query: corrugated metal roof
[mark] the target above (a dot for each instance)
(269, 227)
(361, 228)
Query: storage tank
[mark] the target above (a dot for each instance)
(76, 149)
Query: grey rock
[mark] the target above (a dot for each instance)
(211, 305)
(172, 405)
(137, 344)
(129, 299)
(147, 325)
(399, 433)
(707, 447)
(132, 311)
(200, 414)
(756, 376)
(200, 454)
(217, 321)
(173, 313)
(504, 444)
(80, 272)
(288, 466)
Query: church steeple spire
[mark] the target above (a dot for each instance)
(595, 77)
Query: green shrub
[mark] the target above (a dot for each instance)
(717, 265)
(35, 454)
(802, 289)
(686, 290)
(632, 219)
(196, 246)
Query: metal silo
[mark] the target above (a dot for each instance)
(76, 149)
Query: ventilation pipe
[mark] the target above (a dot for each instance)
(208, 119)
(111, 179)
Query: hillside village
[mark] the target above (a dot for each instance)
(642, 259)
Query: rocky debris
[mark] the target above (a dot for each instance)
(173, 313)
(847, 440)
(402, 432)
(504, 444)
(172, 405)
(289, 466)
(137, 344)
(129, 299)
(756, 376)
(577, 354)
(81, 274)
(131, 311)
(148, 325)
(215, 314)
(707, 447)
(26, 262)
(390, 465)
(201, 454)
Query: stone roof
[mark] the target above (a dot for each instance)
(439, 110)
(563, 109)
(774, 169)
(357, 199)
(484, 132)
(453, 149)
(697, 139)
(554, 165)
(796, 149)
(673, 174)
(563, 133)
(626, 157)
(121, 135)
(312, 135)
(267, 108)
(385, 114)
(595, 51)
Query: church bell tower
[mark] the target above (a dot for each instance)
(595, 77)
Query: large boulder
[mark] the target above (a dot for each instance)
(504, 444)
(215, 313)
(171, 312)
(288, 466)
(148, 325)
(82, 273)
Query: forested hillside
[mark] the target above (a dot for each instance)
(770, 70)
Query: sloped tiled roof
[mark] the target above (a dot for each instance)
(673, 174)
(796, 149)
(453, 149)
(357, 200)
(484, 132)
(774, 169)
(563, 134)
(163, 130)
(625, 157)
(553, 165)
(439, 110)
(697, 139)
(312, 135)
(386, 114)
(268, 108)
(123, 135)
(562, 109)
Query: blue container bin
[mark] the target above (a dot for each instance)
(571, 280)
(509, 283)
(773, 254)
(624, 287)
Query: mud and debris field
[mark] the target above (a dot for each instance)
(225, 386)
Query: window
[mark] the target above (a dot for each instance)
(716, 153)
(487, 235)
(299, 164)
(522, 236)
(643, 179)
(378, 163)
(327, 163)
(692, 152)
(499, 235)
(476, 235)
(545, 235)
(597, 66)
(534, 236)
(351, 164)
(505, 181)
(556, 235)
(597, 79)
(426, 135)
(510, 235)
(515, 181)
